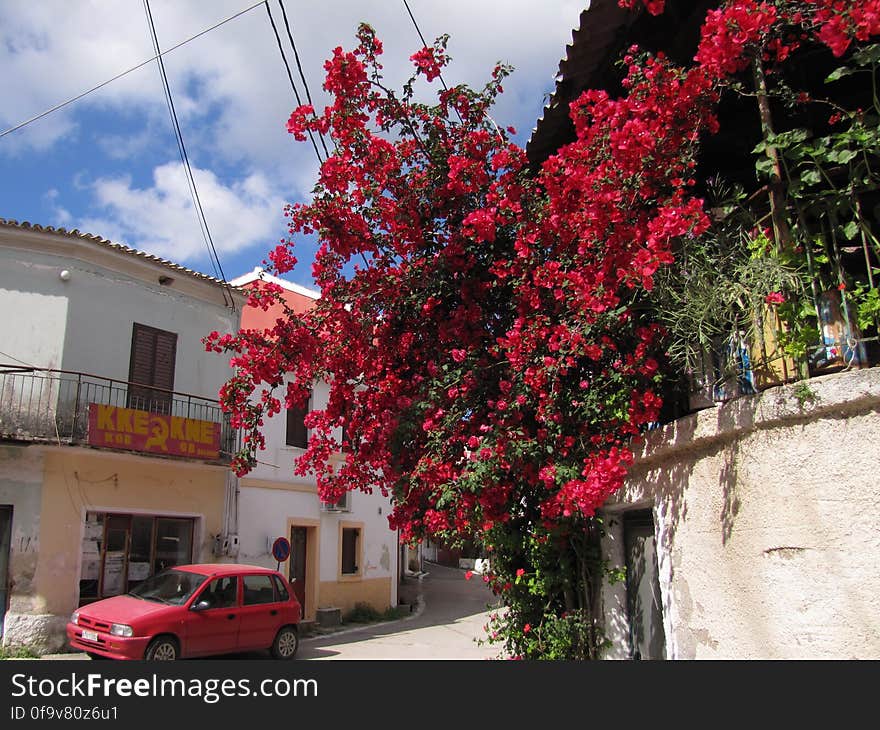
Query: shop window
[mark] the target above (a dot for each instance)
(121, 550)
(173, 543)
(140, 556)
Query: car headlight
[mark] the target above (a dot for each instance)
(74, 618)
(121, 630)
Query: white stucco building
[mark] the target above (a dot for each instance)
(114, 454)
(341, 555)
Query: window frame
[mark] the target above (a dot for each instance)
(299, 439)
(152, 392)
(244, 589)
(358, 527)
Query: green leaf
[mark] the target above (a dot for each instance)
(764, 165)
(811, 177)
(788, 139)
(867, 56)
(851, 230)
(839, 73)
(842, 156)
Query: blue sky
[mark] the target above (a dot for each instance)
(108, 164)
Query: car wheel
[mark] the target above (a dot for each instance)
(286, 643)
(162, 649)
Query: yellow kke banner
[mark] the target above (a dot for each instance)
(133, 430)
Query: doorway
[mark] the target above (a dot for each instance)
(647, 637)
(297, 566)
(5, 545)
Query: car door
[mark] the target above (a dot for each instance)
(214, 630)
(260, 612)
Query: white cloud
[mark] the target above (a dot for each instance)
(161, 219)
(232, 97)
(230, 87)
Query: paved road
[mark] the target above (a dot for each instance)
(453, 615)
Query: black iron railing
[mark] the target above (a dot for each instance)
(38, 404)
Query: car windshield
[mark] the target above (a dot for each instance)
(169, 586)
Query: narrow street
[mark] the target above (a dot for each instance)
(453, 613)
(450, 616)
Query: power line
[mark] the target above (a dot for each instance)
(124, 73)
(299, 66)
(200, 213)
(292, 84)
(425, 44)
(421, 37)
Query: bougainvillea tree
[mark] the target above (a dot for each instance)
(478, 322)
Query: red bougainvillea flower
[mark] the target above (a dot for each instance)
(426, 62)
(480, 327)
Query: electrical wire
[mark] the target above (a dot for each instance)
(416, 25)
(292, 84)
(200, 213)
(300, 68)
(124, 73)
(425, 44)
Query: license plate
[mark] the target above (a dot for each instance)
(90, 635)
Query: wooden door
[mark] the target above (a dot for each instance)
(297, 563)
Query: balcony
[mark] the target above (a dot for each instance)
(70, 408)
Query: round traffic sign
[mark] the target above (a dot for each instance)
(281, 549)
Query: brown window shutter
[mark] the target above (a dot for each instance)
(153, 354)
(297, 433)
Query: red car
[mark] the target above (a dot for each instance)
(192, 610)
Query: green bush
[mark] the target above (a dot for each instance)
(362, 613)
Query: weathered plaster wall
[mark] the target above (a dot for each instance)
(345, 596)
(77, 480)
(69, 324)
(21, 478)
(263, 513)
(767, 520)
(32, 288)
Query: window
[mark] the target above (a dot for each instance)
(221, 593)
(351, 537)
(258, 589)
(153, 354)
(121, 550)
(280, 588)
(297, 433)
(343, 505)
